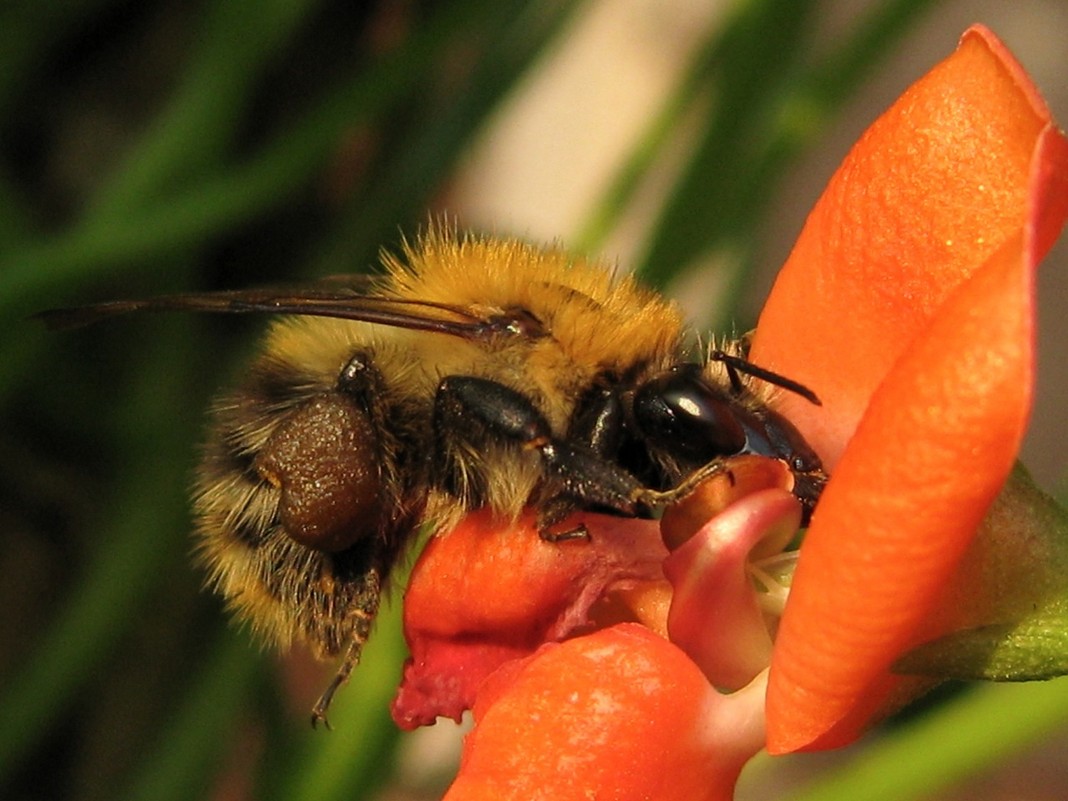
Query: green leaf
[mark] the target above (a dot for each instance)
(1034, 649)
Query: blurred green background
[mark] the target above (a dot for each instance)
(150, 146)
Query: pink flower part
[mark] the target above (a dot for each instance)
(716, 613)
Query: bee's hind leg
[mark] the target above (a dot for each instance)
(362, 616)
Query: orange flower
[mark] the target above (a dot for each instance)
(488, 593)
(916, 269)
(907, 305)
(622, 710)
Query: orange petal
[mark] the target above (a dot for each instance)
(933, 450)
(621, 714)
(936, 186)
(489, 591)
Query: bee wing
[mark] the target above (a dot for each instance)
(344, 297)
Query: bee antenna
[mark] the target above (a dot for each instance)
(736, 365)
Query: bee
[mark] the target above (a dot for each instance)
(472, 372)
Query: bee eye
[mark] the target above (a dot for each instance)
(681, 414)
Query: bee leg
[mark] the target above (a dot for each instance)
(579, 532)
(552, 510)
(599, 423)
(657, 499)
(362, 615)
(476, 411)
(593, 482)
(479, 411)
(348, 664)
(597, 427)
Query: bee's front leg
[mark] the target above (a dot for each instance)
(471, 412)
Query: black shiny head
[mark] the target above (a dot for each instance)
(686, 420)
